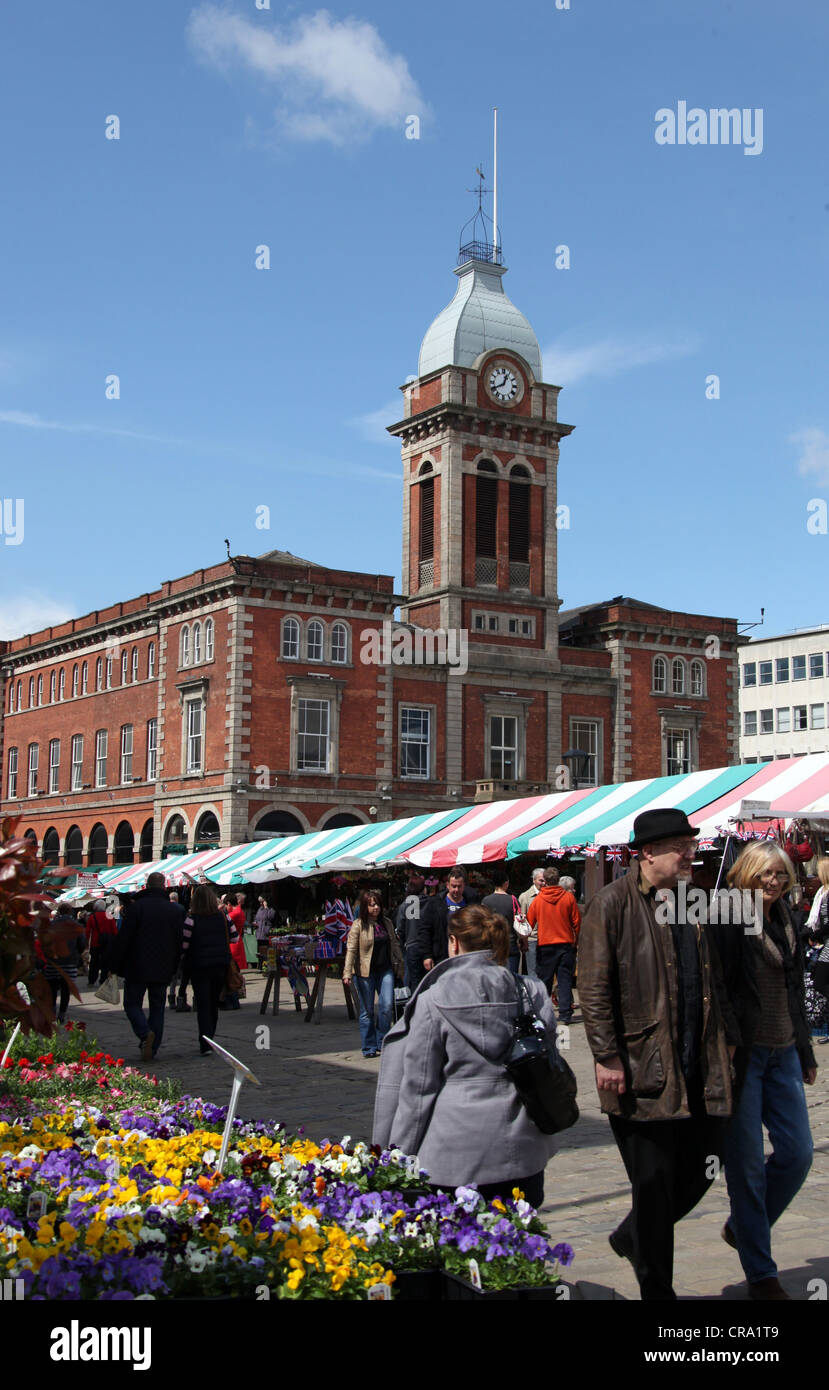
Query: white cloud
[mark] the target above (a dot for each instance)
(336, 80)
(814, 453)
(28, 420)
(372, 426)
(565, 365)
(31, 612)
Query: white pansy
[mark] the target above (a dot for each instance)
(196, 1260)
(151, 1233)
(209, 1155)
(31, 1151)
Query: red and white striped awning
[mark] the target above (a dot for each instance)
(483, 834)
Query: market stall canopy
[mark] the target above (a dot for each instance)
(374, 845)
(787, 787)
(607, 816)
(483, 833)
(178, 870)
(259, 856)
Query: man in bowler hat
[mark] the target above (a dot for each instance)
(662, 1034)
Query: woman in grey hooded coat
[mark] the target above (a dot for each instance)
(443, 1093)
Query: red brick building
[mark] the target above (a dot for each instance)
(269, 695)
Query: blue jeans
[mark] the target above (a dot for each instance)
(371, 1033)
(134, 1009)
(760, 1191)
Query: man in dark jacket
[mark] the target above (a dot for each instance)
(406, 924)
(662, 1032)
(146, 953)
(433, 932)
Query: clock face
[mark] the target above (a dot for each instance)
(503, 383)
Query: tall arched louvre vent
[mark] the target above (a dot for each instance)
(486, 519)
(426, 558)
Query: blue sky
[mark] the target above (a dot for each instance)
(239, 387)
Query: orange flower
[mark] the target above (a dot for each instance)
(319, 1186)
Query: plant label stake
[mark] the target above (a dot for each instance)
(9, 1046)
(240, 1073)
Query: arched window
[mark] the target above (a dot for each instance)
(11, 697)
(108, 676)
(75, 681)
(208, 639)
(175, 836)
(197, 644)
(62, 684)
(660, 675)
(134, 664)
(316, 636)
(99, 674)
(486, 519)
(145, 847)
(124, 844)
(290, 639)
(19, 695)
(51, 846)
(52, 685)
(85, 679)
(98, 849)
(151, 660)
(279, 823)
(677, 676)
(207, 831)
(184, 652)
(697, 678)
(339, 643)
(31, 692)
(40, 690)
(73, 848)
(124, 667)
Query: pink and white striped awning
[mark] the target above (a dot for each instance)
(796, 786)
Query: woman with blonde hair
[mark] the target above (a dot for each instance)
(763, 967)
(443, 1091)
(818, 921)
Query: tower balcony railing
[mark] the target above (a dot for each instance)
(479, 251)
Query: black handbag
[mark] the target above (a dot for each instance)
(545, 1083)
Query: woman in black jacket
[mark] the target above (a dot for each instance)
(763, 968)
(206, 955)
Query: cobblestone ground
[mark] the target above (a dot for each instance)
(315, 1076)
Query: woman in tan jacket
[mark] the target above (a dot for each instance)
(372, 959)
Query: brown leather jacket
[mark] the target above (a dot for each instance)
(628, 996)
(360, 947)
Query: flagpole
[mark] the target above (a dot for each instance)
(495, 183)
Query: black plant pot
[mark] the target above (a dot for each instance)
(422, 1285)
(454, 1288)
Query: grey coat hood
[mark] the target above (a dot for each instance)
(443, 1093)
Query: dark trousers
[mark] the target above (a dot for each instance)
(413, 972)
(559, 960)
(207, 987)
(134, 991)
(532, 1188)
(61, 985)
(98, 956)
(671, 1164)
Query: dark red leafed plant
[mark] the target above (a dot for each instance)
(25, 924)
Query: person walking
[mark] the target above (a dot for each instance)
(524, 900)
(406, 925)
(433, 932)
(59, 969)
(146, 952)
(443, 1093)
(662, 1032)
(264, 923)
(764, 975)
(502, 902)
(555, 914)
(372, 959)
(101, 931)
(206, 955)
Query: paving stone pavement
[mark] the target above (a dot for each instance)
(315, 1077)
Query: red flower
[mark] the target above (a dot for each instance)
(69, 1027)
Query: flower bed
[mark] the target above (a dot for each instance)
(119, 1198)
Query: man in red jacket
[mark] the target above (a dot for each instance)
(555, 913)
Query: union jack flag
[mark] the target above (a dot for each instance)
(705, 844)
(614, 854)
(591, 851)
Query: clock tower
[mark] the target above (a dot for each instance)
(480, 445)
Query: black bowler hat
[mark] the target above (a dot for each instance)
(663, 823)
